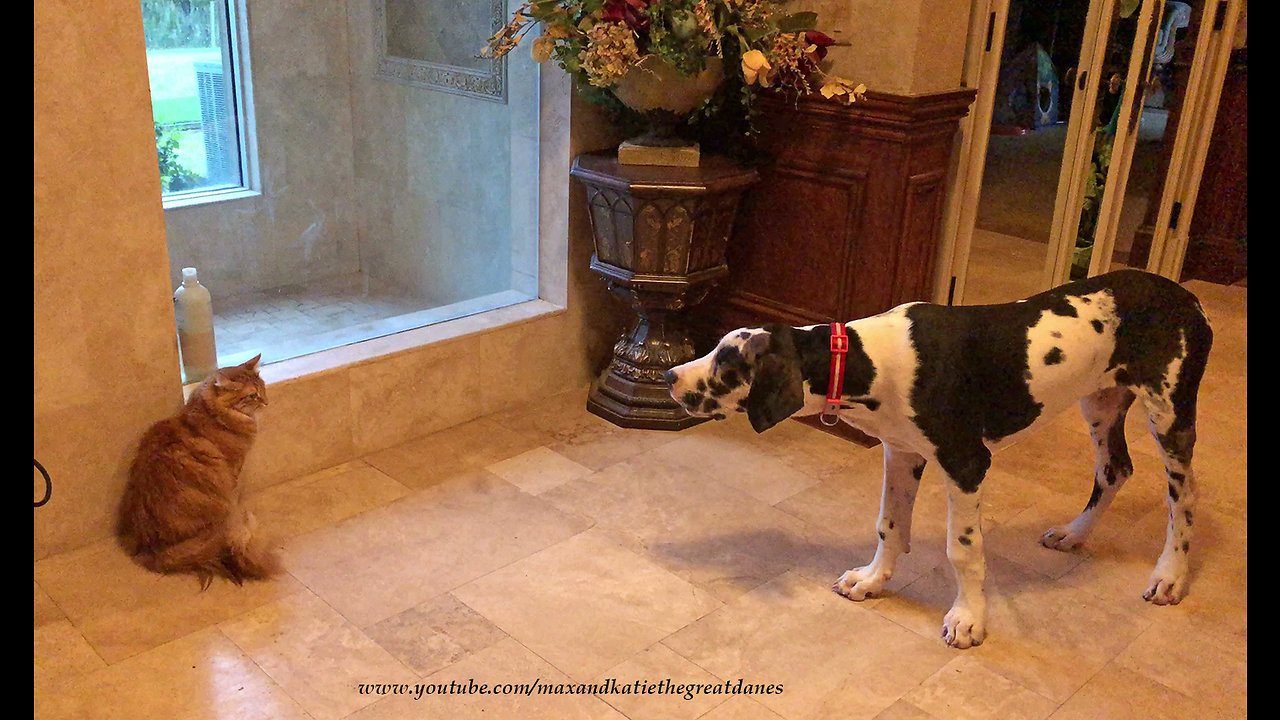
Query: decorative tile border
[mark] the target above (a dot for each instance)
(490, 84)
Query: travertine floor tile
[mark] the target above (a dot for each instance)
(46, 610)
(1117, 691)
(321, 499)
(314, 654)
(764, 478)
(966, 690)
(830, 655)
(123, 609)
(457, 450)
(713, 535)
(197, 677)
(586, 604)
(538, 470)
(435, 634)
(61, 652)
(392, 558)
(1196, 659)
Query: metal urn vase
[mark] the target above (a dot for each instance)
(660, 238)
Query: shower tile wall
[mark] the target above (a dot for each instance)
(304, 224)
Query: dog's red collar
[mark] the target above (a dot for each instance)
(839, 348)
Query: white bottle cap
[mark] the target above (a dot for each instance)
(189, 276)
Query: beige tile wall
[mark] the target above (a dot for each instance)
(106, 359)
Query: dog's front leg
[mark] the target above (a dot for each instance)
(965, 624)
(902, 471)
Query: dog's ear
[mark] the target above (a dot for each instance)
(777, 385)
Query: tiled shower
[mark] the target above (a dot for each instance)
(393, 192)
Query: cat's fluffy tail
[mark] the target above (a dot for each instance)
(213, 555)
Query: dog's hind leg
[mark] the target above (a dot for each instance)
(1168, 584)
(1171, 417)
(1105, 412)
(902, 471)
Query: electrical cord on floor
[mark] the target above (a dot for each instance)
(48, 485)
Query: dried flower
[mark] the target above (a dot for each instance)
(610, 53)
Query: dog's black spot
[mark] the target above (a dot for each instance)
(1186, 546)
(1123, 377)
(1188, 516)
(890, 524)
(1086, 300)
(964, 540)
(717, 388)
(1095, 496)
(1063, 307)
(1054, 356)
(1173, 492)
(1056, 334)
(691, 399)
(1097, 326)
(710, 404)
(918, 471)
(1177, 476)
(730, 379)
(745, 334)
(968, 531)
(985, 396)
(702, 385)
(1177, 444)
(881, 534)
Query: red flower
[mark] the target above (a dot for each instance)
(630, 12)
(821, 40)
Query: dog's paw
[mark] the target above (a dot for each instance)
(1062, 538)
(1167, 586)
(862, 583)
(962, 628)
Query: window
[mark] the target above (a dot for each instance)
(193, 60)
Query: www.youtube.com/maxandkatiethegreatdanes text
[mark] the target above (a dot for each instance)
(609, 686)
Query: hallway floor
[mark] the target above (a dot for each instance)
(546, 546)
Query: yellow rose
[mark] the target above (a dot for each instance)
(755, 66)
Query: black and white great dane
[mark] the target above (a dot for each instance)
(951, 384)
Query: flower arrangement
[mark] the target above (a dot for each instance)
(759, 44)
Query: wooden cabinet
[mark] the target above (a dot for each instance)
(846, 220)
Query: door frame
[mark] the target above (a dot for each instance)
(983, 52)
(1195, 130)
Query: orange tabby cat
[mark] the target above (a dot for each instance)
(181, 509)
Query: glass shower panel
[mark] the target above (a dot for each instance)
(398, 179)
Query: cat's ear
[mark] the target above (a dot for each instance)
(252, 365)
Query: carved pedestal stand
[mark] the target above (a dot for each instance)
(660, 238)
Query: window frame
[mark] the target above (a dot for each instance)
(235, 56)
